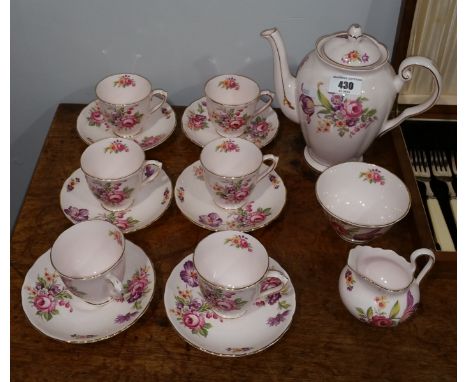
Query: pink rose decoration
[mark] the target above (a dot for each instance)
(262, 126)
(226, 305)
(197, 121)
(270, 283)
(353, 109)
(242, 194)
(381, 321)
(128, 121)
(236, 123)
(257, 217)
(97, 116)
(193, 320)
(116, 197)
(44, 303)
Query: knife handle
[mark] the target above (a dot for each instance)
(453, 206)
(442, 234)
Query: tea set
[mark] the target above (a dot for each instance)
(229, 297)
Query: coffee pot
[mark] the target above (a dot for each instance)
(343, 93)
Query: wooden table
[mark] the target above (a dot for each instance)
(324, 341)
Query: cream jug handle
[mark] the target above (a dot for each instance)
(405, 74)
(427, 267)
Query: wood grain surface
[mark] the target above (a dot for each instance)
(324, 342)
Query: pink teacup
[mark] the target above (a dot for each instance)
(115, 169)
(90, 259)
(231, 101)
(232, 169)
(125, 101)
(233, 271)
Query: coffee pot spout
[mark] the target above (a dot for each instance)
(285, 82)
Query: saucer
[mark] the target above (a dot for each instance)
(263, 325)
(160, 125)
(79, 204)
(197, 127)
(54, 311)
(194, 201)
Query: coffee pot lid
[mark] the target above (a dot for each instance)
(352, 49)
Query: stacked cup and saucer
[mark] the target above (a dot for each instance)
(231, 106)
(124, 108)
(229, 298)
(90, 286)
(231, 187)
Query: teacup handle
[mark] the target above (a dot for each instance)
(151, 163)
(279, 275)
(162, 94)
(427, 267)
(271, 96)
(268, 157)
(117, 289)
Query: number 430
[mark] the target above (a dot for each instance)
(345, 85)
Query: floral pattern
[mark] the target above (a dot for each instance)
(111, 193)
(72, 183)
(349, 279)
(229, 83)
(228, 146)
(373, 175)
(96, 117)
(117, 236)
(222, 300)
(151, 141)
(376, 316)
(258, 129)
(239, 350)
(239, 219)
(125, 118)
(77, 214)
(48, 295)
(82, 336)
(274, 181)
(124, 81)
(189, 275)
(234, 191)
(274, 298)
(166, 112)
(239, 241)
(116, 147)
(122, 318)
(180, 194)
(231, 120)
(347, 116)
(166, 196)
(137, 287)
(197, 121)
(354, 56)
(355, 233)
(119, 219)
(199, 172)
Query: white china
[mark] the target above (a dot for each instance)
(232, 170)
(58, 314)
(362, 201)
(379, 287)
(200, 130)
(90, 260)
(343, 93)
(195, 202)
(115, 170)
(126, 102)
(266, 321)
(79, 204)
(231, 101)
(232, 266)
(92, 127)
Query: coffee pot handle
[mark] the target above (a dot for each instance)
(427, 267)
(405, 73)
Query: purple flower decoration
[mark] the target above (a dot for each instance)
(189, 274)
(280, 317)
(149, 170)
(121, 318)
(273, 298)
(212, 219)
(55, 289)
(195, 304)
(77, 215)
